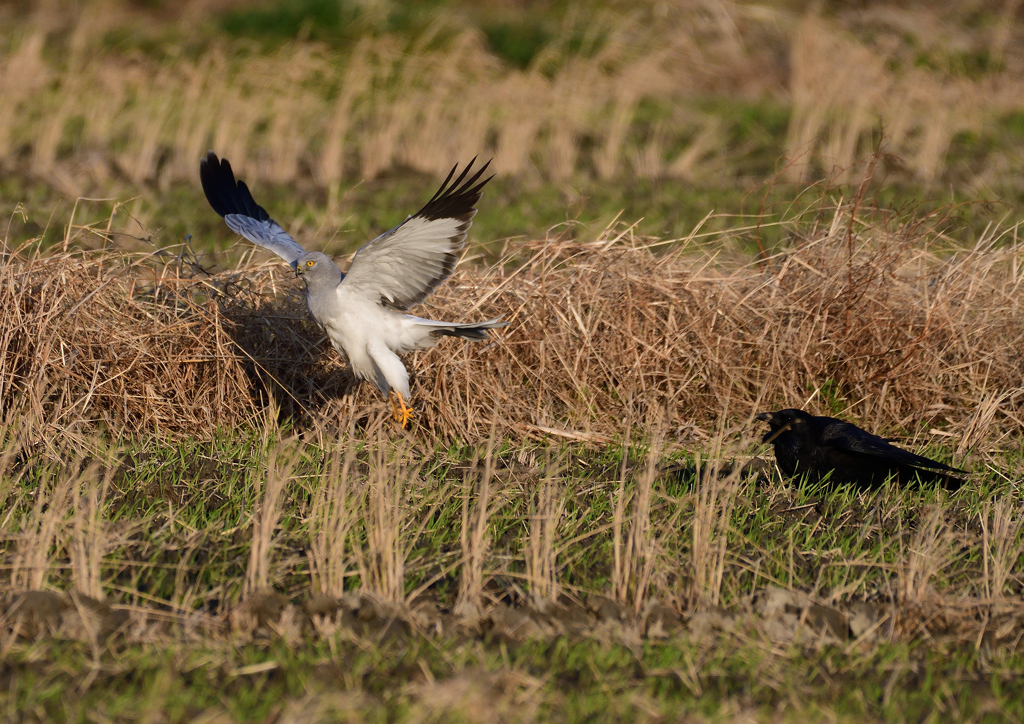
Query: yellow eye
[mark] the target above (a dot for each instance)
(310, 263)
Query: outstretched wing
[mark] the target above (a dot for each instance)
(401, 267)
(847, 437)
(241, 213)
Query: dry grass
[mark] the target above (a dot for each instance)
(42, 532)
(267, 517)
(278, 114)
(608, 331)
(91, 536)
(546, 510)
(886, 319)
(925, 557)
(634, 539)
(845, 91)
(715, 497)
(475, 539)
(395, 509)
(88, 337)
(1001, 543)
(332, 518)
(377, 502)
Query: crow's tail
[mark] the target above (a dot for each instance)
(951, 479)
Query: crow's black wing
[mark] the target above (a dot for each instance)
(848, 437)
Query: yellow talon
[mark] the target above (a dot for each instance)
(401, 413)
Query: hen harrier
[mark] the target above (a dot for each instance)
(361, 310)
(819, 446)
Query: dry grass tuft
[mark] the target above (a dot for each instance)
(714, 499)
(887, 320)
(388, 519)
(103, 336)
(1002, 546)
(265, 520)
(475, 539)
(332, 519)
(42, 531)
(547, 507)
(863, 313)
(634, 538)
(91, 538)
(925, 556)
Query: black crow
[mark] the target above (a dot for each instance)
(819, 446)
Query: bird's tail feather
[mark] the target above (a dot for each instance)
(949, 478)
(470, 330)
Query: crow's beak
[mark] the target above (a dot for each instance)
(764, 416)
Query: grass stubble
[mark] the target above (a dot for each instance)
(519, 555)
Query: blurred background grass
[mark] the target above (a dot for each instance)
(344, 113)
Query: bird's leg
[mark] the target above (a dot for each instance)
(404, 411)
(401, 412)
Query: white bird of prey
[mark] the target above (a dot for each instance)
(361, 310)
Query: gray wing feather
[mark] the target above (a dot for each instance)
(267, 234)
(401, 267)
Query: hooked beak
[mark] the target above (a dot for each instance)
(298, 270)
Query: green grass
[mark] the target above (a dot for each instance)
(584, 681)
(514, 37)
(183, 512)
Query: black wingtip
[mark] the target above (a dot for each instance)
(212, 179)
(225, 194)
(456, 199)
